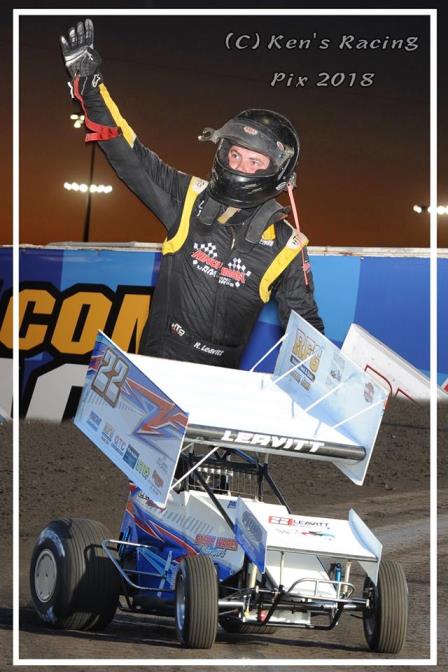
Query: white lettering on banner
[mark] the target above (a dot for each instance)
(6, 385)
(52, 391)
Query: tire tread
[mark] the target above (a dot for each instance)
(389, 632)
(201, 617)
(89, 582)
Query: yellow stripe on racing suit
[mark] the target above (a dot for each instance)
(292, 248)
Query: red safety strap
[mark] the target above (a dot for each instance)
(305, 265)
(101, 132)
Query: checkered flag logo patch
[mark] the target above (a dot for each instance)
(239, 269)
(207, 248)
(237, 265)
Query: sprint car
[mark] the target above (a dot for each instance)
(207, 536)
(218, 553)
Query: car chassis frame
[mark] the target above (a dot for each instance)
(272, 595)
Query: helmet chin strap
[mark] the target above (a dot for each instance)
(296, 222)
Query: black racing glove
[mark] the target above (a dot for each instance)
(81, 59)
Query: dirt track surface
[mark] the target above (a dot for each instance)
(63, 474)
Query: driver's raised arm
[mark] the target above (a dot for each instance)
(160, 187)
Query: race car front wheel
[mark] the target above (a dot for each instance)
(385, 621)
(74, 585)
(196, 602)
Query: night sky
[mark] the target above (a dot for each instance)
(365, 149)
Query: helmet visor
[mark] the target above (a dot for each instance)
(255, 137)
(243, 160)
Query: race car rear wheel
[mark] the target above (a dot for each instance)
(234, 625)
(385, 621)
(74, 585)
(196, 602)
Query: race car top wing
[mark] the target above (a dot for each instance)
(131, 420)
(329, 386)
(141, 411)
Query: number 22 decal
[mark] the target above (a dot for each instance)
(110, 377)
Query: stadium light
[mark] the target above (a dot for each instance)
(78, 120)
(93, 188)
(441, 209)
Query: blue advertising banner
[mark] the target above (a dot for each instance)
(67, 295)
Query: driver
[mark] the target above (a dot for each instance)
(228, 246)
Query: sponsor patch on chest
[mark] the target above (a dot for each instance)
(266, 243)
(234, 274)
(205, 259)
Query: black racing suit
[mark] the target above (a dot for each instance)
(213, 282)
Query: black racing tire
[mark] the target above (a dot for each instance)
(196, 602)
(233, 625)
(385, 621)
(74, 585)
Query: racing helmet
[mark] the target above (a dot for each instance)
(263, 131)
